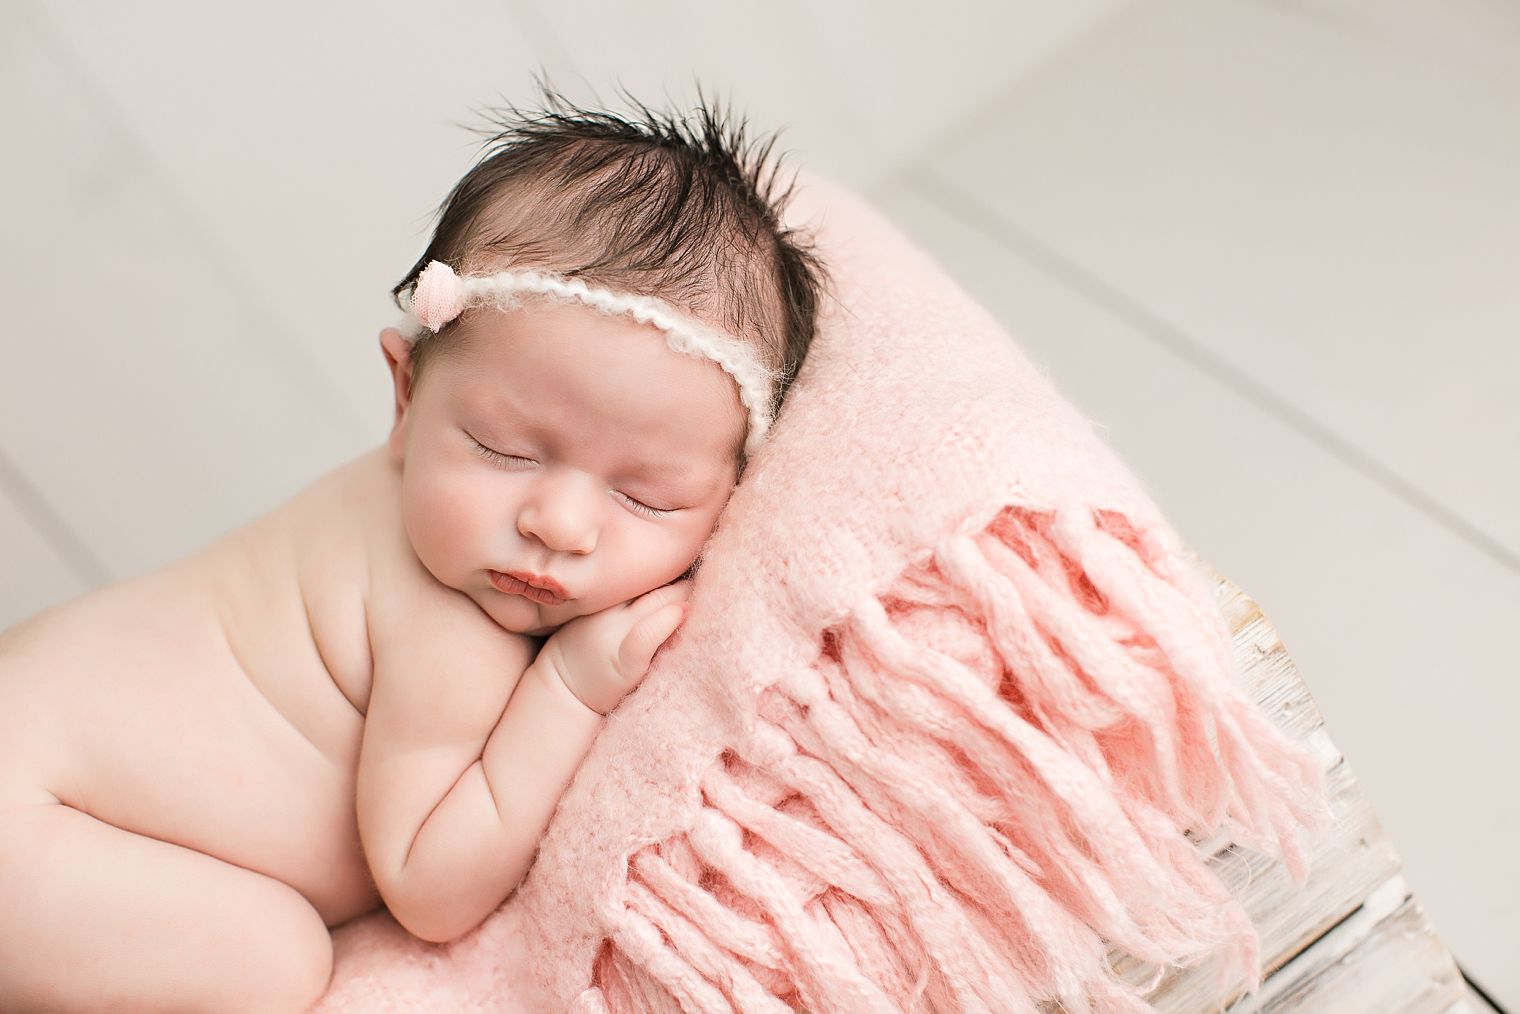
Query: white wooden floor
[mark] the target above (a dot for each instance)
(1271, 246)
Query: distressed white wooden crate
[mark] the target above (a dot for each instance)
(1354, 937)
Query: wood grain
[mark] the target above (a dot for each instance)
(1353, 938)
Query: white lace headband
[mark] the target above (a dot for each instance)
(440, 295)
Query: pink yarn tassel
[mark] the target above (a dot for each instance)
(980, 784)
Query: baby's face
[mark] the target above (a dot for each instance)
(566, 443)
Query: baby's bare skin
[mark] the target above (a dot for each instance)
(215, 705)
(185, 808)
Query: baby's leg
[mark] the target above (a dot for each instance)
(94, 918)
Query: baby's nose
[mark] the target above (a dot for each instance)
(565, 512)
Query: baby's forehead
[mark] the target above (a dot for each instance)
(515, 298)
(676, 465)
(651, 437)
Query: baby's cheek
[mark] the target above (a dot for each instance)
(443, 520)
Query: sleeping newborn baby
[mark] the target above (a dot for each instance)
(378, 693)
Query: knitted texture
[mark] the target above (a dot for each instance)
(948, 697)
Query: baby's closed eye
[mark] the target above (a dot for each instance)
(499, 458)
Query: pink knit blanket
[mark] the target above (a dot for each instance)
(948, 697)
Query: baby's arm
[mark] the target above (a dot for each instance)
(476, 846)
(447, 848)
(556, 711)
(438, 847)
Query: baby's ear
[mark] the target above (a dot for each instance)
(398, 358)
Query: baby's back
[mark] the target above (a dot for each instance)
(218, 703)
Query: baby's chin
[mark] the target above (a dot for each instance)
(539, 626)
(530, 619)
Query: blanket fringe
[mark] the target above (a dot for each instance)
(981, 782)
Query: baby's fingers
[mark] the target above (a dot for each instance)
(675, 592)
(645, 638)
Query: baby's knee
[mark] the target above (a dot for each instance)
(297, 954)
(95, 918)
(280, 963)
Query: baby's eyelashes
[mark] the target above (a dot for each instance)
(644, 508)
(495, 456)
(638, 506)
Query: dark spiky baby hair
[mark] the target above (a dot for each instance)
(682, 208)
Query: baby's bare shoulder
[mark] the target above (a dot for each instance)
(342, 530)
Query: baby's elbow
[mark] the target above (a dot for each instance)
(441, 903)
(443, 933)
(442, 918)
(434, 924)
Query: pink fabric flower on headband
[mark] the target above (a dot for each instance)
(438, 296)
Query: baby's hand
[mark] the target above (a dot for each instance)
(602, 656)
